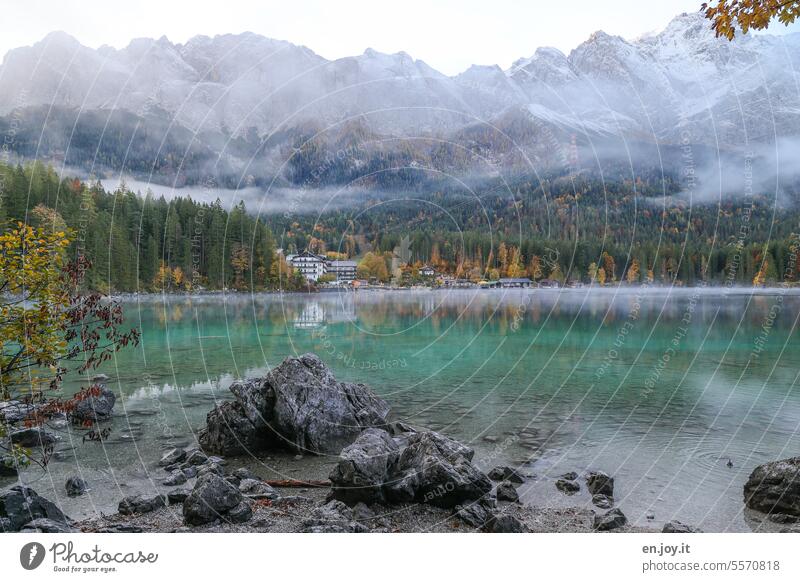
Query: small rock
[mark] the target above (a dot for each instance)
(783, 518)
(676, 526)
(650, 515)
(211, 499)
(504, 523)
(172, 457)
(600, 482)
(239, 514)
(298, 457)
(99, 378)
(35, 436)
(570, 476)
(189, 472)
(175, 478)
(506, 474)
(121, 528)
(333, 517)
(178, 495)
(209, 468)
(257, 489)
(476, 514)
(602, 501)
(568, 487)
(75, 486)
(8, 466)
(244, 473)
(507, 492)
(611, 520)
(775, 487)
(44, 525)
(95, 407)
(196, 458)
(141, 504)
(491, 439)
(20, 504)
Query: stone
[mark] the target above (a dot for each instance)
(610, 520)
(35, 436)
(178, 495)
(97, 406)
(175, 478)
(45, 525)
(239, 514)
(209, 468)
(243, 473)
(506, 474)
(424, 466)
(507, 492)
(189, 472)
(602, 501)
(20, 505)
(333, 517)
(676, 526)
(121, 528)
(299, 405)
(99, 378)
(569, 476)
(229, 432)
(600, 482)
(12, 411)
(257, 489)
(8, 466)
(783, 518)
(75, 486)
(504, 523)
(477, 514)
(364, 468)
(211, 498)
(172, 457)
(568, 487)
(196, 458)
(141, 504)
(775, 487)
(491, 439)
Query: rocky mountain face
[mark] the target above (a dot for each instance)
(249, 104)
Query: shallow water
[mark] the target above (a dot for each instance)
(659, 389)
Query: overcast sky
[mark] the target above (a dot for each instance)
(449, 35)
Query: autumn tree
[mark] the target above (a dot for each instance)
(727, 16)
(48, 326)
(633, 272)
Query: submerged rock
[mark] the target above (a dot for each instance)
(676, 526)
(75, 486)
(775, 487)
(95, 407)
(299, 405)
(20, 505)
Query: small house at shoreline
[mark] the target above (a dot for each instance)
(514, 282)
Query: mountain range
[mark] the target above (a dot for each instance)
(251, 110)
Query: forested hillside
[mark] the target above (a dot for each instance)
(567, 228)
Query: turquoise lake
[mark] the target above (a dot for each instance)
(659, 388)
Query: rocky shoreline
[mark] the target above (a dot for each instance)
(378, 475)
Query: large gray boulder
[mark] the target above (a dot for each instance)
(424, 467)
(299, 405)
(96, 406)
(214, 498)
(20, 505)
(775, 487)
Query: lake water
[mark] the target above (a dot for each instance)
(658, 388)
